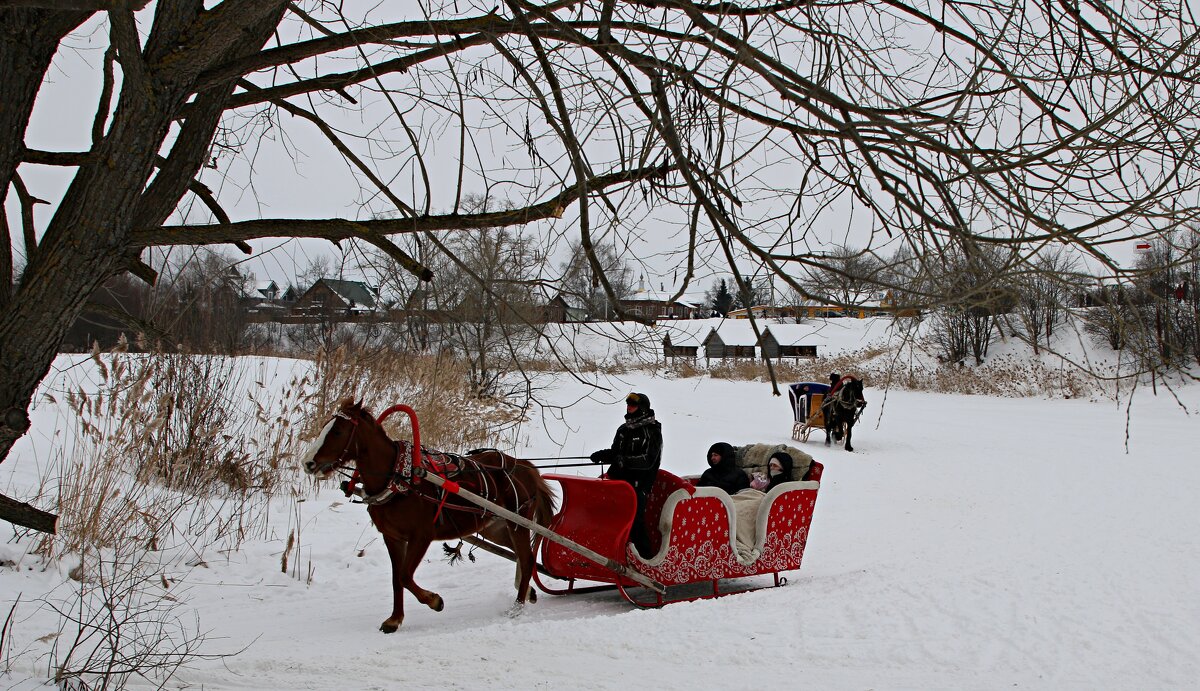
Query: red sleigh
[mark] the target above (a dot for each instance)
(694, 533)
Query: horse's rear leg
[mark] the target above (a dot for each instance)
(520, 542)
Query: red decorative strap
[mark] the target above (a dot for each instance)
(448, 487)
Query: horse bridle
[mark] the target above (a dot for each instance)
(398, 482)
(353, 486)
(342, 459)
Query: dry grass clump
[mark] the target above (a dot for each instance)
(160, 448)
(437, 387)
(740, 369)
(172, 444)
(1003, 376)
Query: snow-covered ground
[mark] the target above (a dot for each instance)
(968, 543)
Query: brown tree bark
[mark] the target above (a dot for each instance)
(89, 238)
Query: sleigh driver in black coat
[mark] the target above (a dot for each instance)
(634, 457)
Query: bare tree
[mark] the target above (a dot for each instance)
(486, 306)
(753, 292)
(966, 323)
(1113, 315)
(581, 284)
(1043, 295)
(1166, 280)
(202, 305)
(751, 130)
(846, 276)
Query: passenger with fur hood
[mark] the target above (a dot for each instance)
(779, 471)
(723, 472)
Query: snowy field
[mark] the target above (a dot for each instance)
(967, 543)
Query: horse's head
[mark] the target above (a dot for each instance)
(854, 390)
(339, 442)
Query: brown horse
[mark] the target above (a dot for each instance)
(411, 513)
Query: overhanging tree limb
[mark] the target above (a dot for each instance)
(341, 229)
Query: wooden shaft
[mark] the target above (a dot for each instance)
(610, 564)
(499, 551)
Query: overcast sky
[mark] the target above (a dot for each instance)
(300, 176)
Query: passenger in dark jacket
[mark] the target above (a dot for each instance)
(634, 457)
(723, 472)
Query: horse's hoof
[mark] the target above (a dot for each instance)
(389, 626)
(516, 609)
(532, 596)
(437, 604)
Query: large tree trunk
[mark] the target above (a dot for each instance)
(88, 239)
(28, 40)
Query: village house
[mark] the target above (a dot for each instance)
(330, 296)
(563, 310)
(651, 304)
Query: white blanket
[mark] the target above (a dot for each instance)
(746, 504)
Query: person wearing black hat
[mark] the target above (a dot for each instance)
(634, 457)
(723, 472)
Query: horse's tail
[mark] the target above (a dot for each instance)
(543, 509)
(543, 496)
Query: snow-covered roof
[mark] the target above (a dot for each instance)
(664, 296)
(266, 288)
(356, 292)
(688, 332)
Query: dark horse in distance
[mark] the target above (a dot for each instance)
(411, 513)
(841, 409)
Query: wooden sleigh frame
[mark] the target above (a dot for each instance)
(806, 399)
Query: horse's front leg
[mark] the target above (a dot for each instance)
(849, 431)
(417, 547)
(397, 550)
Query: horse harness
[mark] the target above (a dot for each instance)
(402, 478)
(842, 398)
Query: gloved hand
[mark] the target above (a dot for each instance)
(602, 456)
